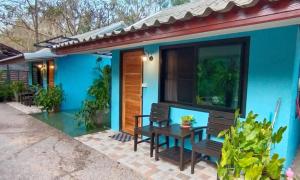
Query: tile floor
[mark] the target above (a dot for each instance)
(141, 162)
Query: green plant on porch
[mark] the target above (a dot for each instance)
(49, 99)
(99, 98)
(247, 150)
(17, 87)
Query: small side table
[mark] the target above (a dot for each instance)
(177, 154)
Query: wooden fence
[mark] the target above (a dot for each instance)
(13, 75)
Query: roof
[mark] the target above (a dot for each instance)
(6, 51)
(199, 8)
(95, 34)
(42, 54)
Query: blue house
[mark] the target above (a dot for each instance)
(201, 56)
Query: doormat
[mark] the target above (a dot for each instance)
(122, 137)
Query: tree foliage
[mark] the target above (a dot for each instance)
(25, 22)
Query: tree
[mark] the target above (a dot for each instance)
(25, 22)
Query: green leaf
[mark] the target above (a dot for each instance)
(254, 173)
(222, 133)
(247, 161)
(277, 137)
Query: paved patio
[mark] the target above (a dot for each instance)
(141, 162)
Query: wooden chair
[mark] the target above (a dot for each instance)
(159, 117)
(217, 122)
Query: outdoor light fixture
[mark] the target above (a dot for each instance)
(147, 57)
(52, 67)
(40, 66)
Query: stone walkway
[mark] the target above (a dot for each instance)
(30, 149)
(141, 162)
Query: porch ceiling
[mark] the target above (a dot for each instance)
(192, 18)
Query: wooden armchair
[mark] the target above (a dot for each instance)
(159, 117)
(217, 122)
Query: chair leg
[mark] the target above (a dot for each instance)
(135, 141)
(193, 162)
(152, 145)
(167, 142)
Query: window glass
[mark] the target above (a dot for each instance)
(218, 76)
(207, 76)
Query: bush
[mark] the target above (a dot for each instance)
(18, 86)
(6, 92)
(99, 98)
(247, 150)
(49, 99)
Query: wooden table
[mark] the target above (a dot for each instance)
(177, 154)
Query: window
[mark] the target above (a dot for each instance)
(210, 75)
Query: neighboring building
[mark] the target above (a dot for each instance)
(203, 56)
(15, 71)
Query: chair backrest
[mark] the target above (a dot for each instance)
(219, 121)
(159, 112)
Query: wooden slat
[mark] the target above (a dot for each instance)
(131, 88)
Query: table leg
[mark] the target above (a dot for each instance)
(152, 144)
(181, 154)
(156, 147)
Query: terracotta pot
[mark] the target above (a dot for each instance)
(186, 125)
(103, 118)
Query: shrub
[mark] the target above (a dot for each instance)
(5, 92)
(49, 99)
(99, 98)
(247, 150)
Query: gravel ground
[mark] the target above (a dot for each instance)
(30, 149)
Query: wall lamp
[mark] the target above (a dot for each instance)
(147, 57)
(42, 67)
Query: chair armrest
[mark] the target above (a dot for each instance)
(195, 131)
(137, 117)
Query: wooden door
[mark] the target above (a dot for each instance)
(51, 73)
(132, 75)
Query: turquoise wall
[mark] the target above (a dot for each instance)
(294, 131)
(75, 73)
(271, 76)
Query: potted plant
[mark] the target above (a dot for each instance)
(187, 121)
(17, 87)
(246, 151)
(49, 99)
(95, 110)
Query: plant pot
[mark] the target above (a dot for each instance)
(56, 109)
(103, 118)
(186, 125)
(16, 97)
